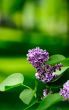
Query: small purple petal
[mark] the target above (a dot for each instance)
(46, 92)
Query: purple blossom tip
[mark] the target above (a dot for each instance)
(37, 56)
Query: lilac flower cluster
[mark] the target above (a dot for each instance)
(37, 56)
(46, 74)
(65, 91)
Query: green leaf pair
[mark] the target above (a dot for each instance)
(15, 80)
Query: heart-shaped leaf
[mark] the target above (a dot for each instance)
(49, 100)
(54, 59)
(27, 95)
(12, 81)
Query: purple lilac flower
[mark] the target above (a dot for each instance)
(37, 56)
(45, 92)
(65, 91)
(46, 74)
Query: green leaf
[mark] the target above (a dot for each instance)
(49, 101)
(33, 103)
(59, 73)
(54, 59)
(12, 81)
(27, 95)
(63, 105)
(65, 62)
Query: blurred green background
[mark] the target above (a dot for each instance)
(26, 24)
